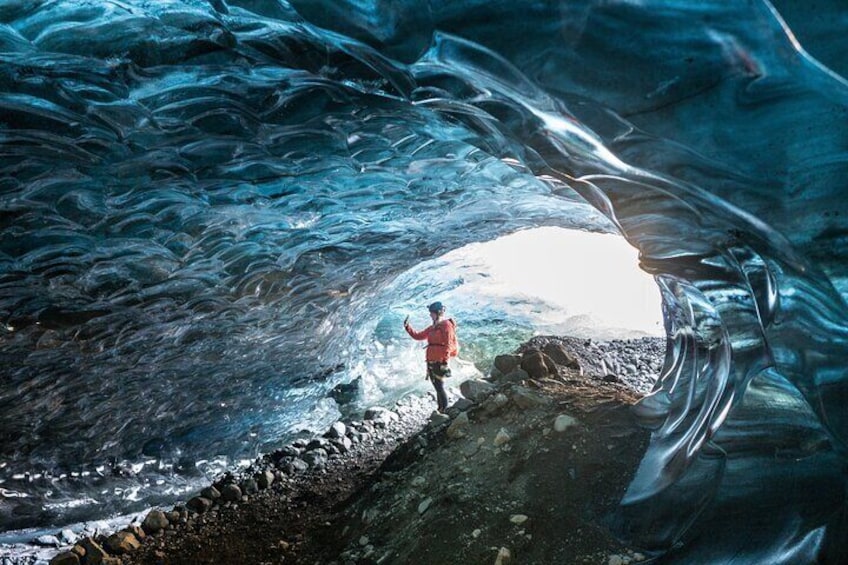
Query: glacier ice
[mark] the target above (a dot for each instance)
(200, 200)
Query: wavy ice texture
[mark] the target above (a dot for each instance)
(203, 202)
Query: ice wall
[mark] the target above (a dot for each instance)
(205, 192)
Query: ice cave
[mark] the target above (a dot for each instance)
(208, 208)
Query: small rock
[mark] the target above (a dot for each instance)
(615, 560)
(538, 365)
(346, 393)
(381, 415)
(283, 452)
(265, 479)
(476, 533)
(173, 516)
(495, 403)
(504, 557)
(517, 375)
(337, 430)
(294, 465)
(120, 543)
(316, 458)
(560, 355)
(211, 493)
(419, 482)
(137, 531)
(439, 418)
(462, 404)
(231, 493)
(475, 389)
(94, 553)
(458, 427)
(154, 522)
(65, 558)
(249, 486)
(343, 444)
(79, 550)
(199, 504)
(317, 443)
(424, 505)
(363, 541)
(518, 519)
(501, 438)
(506, 363)
(563, 422)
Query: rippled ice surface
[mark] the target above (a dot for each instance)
(210, 212)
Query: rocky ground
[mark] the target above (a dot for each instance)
(526, 467)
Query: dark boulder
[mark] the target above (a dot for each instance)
(231, 493)
(120, 543)
(346, 393)
(560, 355)
(155, 521)
(199, 504)
(506, 363)
(517, 375)
(65, 558)
(538, 365)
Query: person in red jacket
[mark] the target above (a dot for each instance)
(441, 346)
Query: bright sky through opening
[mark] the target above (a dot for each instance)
(590, 283)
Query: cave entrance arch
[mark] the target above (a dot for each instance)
(504, 291)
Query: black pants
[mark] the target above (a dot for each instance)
(437, 372)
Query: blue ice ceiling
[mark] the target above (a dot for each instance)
(202, 204)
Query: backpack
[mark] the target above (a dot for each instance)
(453, 343)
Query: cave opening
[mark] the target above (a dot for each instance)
(532, 282)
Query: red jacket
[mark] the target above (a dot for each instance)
(441, 340)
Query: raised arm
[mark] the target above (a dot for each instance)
(416, 335)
